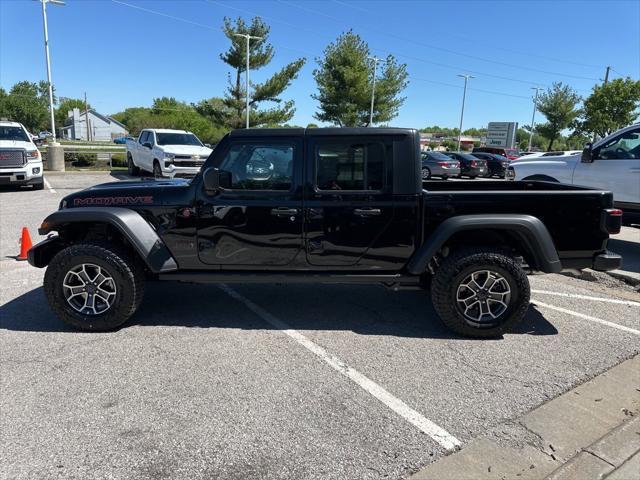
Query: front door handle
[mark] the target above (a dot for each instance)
(367, 212)
(284, 211)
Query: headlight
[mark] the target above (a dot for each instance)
(169, 157)
(33, 155)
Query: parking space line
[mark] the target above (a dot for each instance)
(48, 185)
(587, 317)
(587, 297)
(437, 433)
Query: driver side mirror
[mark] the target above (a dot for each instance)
(215, 180)
(587, 154)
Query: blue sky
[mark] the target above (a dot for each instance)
(124, 56)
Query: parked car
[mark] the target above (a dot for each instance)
(497, 164)
(510, 153)
(612, 163)
(470, 166)
(437, 164)
(122, 140)
(336, 205)
(20, 160)
(166, 153)
(44, 134)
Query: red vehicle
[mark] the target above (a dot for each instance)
(510, 153)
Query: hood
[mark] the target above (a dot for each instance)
(546, 161)
(135, 193)
(186, 150)
(17, 144)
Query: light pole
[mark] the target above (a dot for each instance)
(533, 117)
(375, 61)
(46, 49)
(464, 97)
(248, 38)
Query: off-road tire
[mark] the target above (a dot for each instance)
(127, 272)
(461, 263)
(131, 167)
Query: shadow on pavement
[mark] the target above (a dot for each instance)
(200, 306)
(630, 253)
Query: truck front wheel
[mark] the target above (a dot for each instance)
(480, 293)
(94, 287)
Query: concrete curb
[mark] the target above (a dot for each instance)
(570, 431)
(631, 278)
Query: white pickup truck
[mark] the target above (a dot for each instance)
(20, 160)
(166, 153)
(612, 163)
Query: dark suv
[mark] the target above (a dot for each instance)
(497, 163)
(510, 153)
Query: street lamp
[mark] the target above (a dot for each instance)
(46, 49)
(375, 61)
(248, 38)
(533, 117)
(464, 96)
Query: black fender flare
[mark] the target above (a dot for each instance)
(529, 230)
(134, 228)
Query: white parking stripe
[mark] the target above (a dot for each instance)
(587, 297)
(48, 185)
(437, 433)
(587, 317)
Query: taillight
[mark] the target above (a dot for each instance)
(474, 163)
(612, 220)
(444, 164)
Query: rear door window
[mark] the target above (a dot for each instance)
(351, 165)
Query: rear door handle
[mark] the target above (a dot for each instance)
(367, 212)
(284, 211)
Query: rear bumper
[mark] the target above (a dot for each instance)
(603, 262)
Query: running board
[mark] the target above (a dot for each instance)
(394, 282)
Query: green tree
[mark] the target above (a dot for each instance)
(27, 103)
(231, 111)
(345, 78)
(611, 107)
(558, 105)
(64, 106)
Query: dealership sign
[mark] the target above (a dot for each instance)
(501, 134)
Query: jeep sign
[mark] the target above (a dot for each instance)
(501, 134)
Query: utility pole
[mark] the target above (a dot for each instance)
(375, 61)
(86, 116)
(248, 38)
(533, 117)
(464, 97)
(46, 49)
(606, 75)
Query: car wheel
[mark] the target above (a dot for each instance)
(472, 177)
(157, 171)
(480, 293)
(39, 185)
(94, 287)
(131, 168)
(426, 173)
(445, 177)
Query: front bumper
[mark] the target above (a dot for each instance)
(25, 175)
(174, 171)
(603, 262)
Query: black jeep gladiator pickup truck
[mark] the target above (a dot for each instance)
(329, 205)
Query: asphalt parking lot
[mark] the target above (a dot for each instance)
(271, 381)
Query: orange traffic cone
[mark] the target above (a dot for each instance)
(25, 244)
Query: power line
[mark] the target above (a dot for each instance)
(467, 39)
(443, 49)
(148, 10)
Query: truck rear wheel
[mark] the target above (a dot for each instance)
(94, 287)
(480, 293)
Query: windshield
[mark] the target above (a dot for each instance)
(178, 139)
(500, 157)
(436, 156)
(14, 133)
